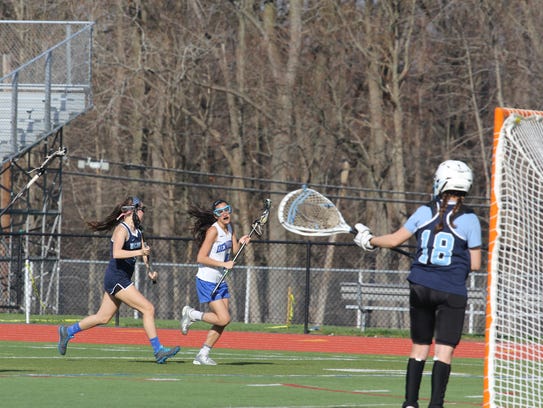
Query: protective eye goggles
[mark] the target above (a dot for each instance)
(126, 208)
(219, 211)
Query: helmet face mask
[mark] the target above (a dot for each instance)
(452, 175)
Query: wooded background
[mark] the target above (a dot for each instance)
(248, 99)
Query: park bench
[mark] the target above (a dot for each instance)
(366, 297)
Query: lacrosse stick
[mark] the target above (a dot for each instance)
(39, 172)
(147, 261)
(256, 227)
(307, 212)
(150, 268)
(146, 258)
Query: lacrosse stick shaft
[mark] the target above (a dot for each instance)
(257, 225)
(150, 268)
(401, 251)
(147, 260)
(227, 271)
(398, 250)
(39, 172)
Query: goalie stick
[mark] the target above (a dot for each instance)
(256, 227)
(308, 212)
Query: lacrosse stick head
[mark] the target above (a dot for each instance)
(257, 228)
(263, 219)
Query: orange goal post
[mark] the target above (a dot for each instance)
(513, 374)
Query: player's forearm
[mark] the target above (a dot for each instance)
(207, 261)
(124, 254)
(391, 240)
(475, 255)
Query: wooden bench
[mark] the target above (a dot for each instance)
(370, 297)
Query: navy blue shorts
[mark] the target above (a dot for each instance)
(436, 314)
(204, 289)
(114, 281)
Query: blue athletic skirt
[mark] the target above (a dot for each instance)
(204, 289)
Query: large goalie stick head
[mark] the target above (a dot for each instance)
(308, 212)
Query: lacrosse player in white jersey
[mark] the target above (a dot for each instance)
(216, 238)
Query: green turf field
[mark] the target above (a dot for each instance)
(34, 375)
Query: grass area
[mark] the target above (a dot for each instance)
(97, 375)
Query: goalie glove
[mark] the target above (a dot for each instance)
(363, 237)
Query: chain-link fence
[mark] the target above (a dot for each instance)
(312, 283)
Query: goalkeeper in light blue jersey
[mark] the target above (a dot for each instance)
(448, 247)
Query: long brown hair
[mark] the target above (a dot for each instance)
(203, 219)
(445, 197)
(113, 219)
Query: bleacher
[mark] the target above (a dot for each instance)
(34, 118)
(50, 87)
(45, 83)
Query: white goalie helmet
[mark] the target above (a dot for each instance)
(452, 175)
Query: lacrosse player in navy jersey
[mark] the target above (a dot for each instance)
(216, 238)
(126, 244)
(448, 247)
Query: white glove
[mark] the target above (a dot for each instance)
(363, 237)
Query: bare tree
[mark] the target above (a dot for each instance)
(251, 95)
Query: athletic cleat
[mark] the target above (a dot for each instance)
(165, 353)
(200, 359)
(186, 321)
(63, 339)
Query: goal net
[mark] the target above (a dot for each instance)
(514, 324)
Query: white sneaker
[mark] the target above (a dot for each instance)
(200, 359)
(186, 321)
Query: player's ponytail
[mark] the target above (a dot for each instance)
(203, 219)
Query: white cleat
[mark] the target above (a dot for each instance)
(186, 321)
(203, 360)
